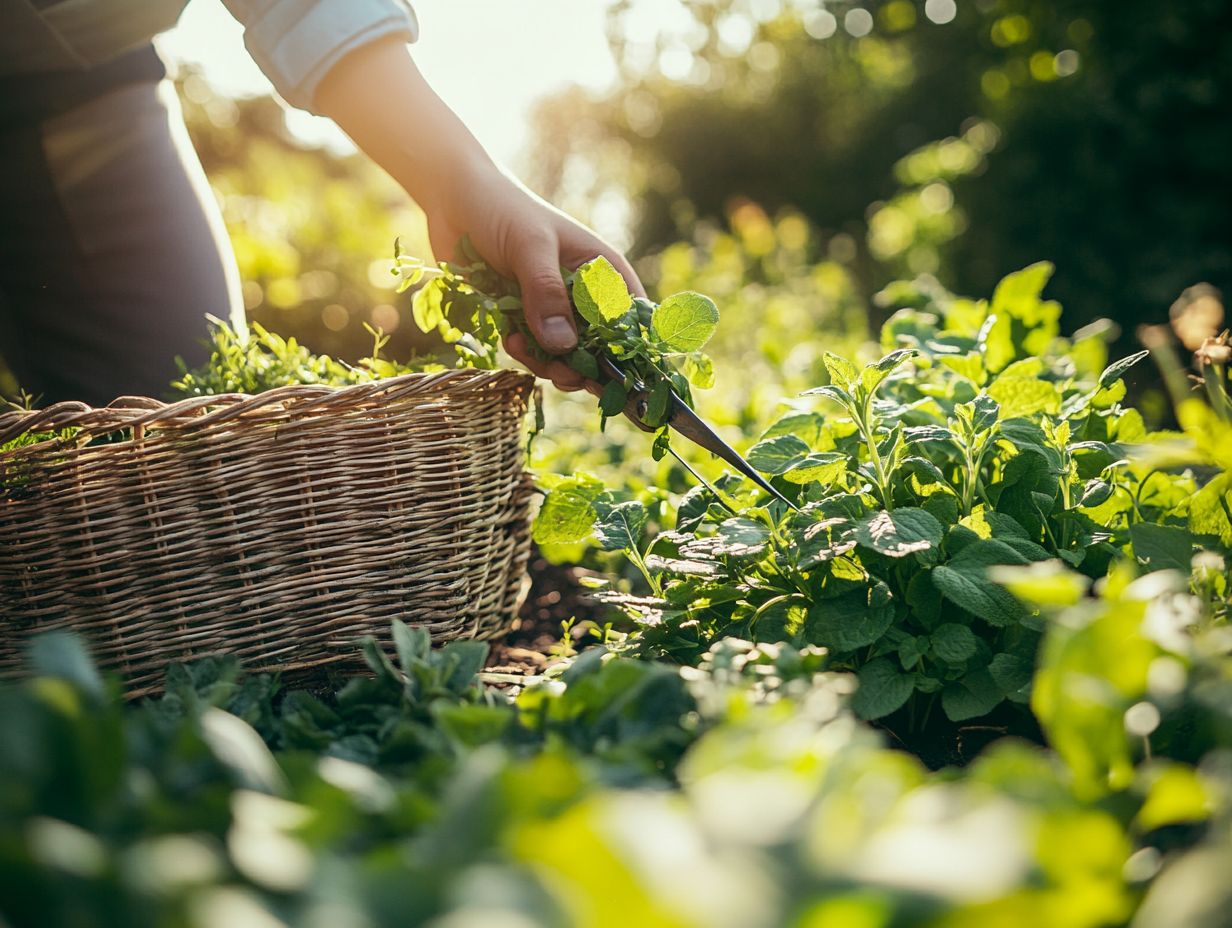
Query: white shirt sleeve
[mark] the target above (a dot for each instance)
(296, 42)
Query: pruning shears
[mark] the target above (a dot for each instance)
(685, 422)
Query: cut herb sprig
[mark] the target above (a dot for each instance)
(657, 345)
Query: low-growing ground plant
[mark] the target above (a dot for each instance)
(981, 440)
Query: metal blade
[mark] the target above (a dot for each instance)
(687, 423)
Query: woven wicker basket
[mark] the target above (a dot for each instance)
(280, 527)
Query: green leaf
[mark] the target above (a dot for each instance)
(927, 433)
(807, 426)
(912, 649)
(883, 689)
(899, 532)
(893, 360)
(1011, 674)
(1025, 396)
(1094, 493)
(662, 444)
(413, 644)
(877, 371)
(685, 321)
(985, 411)
(831, 392)
(736, 537)
(614, 398)
(965, 582)
(426, 307)
(953, 643)
(600, 293)
(818, 467)
(584, 363)
(850, 621)
(619, 527)
(971, 697)
(657, 403)
(842, 372)
(1043, 583)
(778, 455)
(699, 369)
(692, 508)
(1116, 370)
(1023, 325)
(568, 513)
(464, 657)
(1210, 509)
(822, 541)
(1162, 547)
(739, 536)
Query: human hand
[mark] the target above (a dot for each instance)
(528, 240)
(437, 160)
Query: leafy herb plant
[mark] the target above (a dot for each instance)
(981, 440)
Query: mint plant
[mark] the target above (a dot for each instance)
(958, 453)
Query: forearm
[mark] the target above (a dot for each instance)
(378, 96)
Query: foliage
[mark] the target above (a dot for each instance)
(305, 223)
(982, 520)
(253, 359)
(981, 440)
(739, 792)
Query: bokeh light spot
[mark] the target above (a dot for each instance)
(858, 22)
(764, 56)
(384, 317)
(898, 15)
(676, 62)
(1042, 66)
(936, 197)
(735, 33)
(1066, 62)
(253, 294)
(1011, 30)
(820, 24)
(1080, 31)
(995, 84)
(941, 11)
(335, 317)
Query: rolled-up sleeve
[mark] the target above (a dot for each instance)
(296, 42)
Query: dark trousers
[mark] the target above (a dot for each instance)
(112, 249)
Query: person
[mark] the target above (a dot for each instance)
(112, 248)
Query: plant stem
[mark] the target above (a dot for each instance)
(883, 481)
(640, 563)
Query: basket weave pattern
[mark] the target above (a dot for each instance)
(279, 527)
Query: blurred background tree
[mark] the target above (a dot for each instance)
(858, 141)
(957, 139)
(313, 228)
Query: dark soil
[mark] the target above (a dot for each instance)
(555, 597)
(942, 743)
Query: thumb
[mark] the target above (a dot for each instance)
(549, 314)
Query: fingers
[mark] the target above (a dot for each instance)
(536, 265)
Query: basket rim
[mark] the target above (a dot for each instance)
(140, 412)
